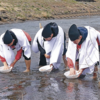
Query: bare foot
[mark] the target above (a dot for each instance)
(27, 70)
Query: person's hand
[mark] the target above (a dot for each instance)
(80, 71)
(72, 71)
(51, 65)
(47, 56)
(12, 65)
(6, 67)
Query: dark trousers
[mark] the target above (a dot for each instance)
(42, 60)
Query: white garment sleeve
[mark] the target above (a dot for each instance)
(57, 50)
(71, 51)
(87, 58)
(91, 56)
(98, 35)
(26, 47)
(23, 41)
(40, 40)
(1, 51)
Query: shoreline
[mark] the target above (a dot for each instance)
(70, 16)
(21, 11)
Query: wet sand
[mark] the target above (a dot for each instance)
(17, 85)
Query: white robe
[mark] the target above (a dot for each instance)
(88, 54)
(7, 52)
(54, 47)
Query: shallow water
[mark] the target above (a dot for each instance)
(47, 86)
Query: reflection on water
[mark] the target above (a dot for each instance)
(82, 90)
(47, 86)
(42, 86)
